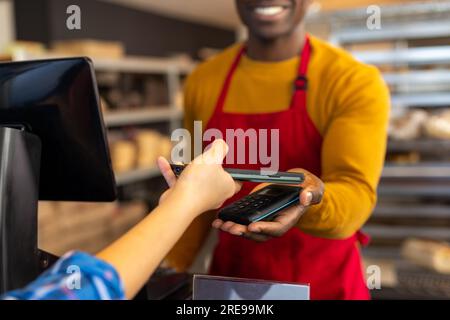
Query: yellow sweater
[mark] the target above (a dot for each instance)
(347, 101)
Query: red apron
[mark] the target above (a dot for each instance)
(332, 267)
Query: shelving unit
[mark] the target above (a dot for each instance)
(137, 175)
(431, 190)
(421, 171)
(418, 211)
(142, 116)
(173, 70)
(400, 24)
(422, 145)
(414, 56)
(172, 113)
(144, 65)
(129, 64)
(402, 232)
(435, 77)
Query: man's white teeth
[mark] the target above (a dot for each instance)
(268, 11)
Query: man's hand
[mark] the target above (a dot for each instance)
(311, 194)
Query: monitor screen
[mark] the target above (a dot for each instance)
(58, 101)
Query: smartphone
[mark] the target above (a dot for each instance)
(254, 175)
(262, 205)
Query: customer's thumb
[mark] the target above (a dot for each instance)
(216, 152)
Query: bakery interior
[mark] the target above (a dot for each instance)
(140, 76)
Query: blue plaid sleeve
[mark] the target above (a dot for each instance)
(76, 276)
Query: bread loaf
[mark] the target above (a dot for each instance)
(408, 126)
(429, 254)
(123, 156)
(438, 126)
(148, 144)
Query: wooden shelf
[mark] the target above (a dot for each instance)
(414, 30)
(419, 171)
(132, 64)
(141, 116)
(421, 145)
(143, 65)
(5, 57)
(411, 56)
(136, 176)
(412, 211)
(424, 100)
(403, 232)
(413, 78)
(350, 10)
(425, 189)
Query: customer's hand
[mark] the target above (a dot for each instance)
(311, 194)
(204, 183)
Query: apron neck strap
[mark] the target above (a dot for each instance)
(226, 86)
(301, 82)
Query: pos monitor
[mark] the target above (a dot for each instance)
(58, 101)
(52, 147)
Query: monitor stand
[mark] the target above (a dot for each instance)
(20, 154)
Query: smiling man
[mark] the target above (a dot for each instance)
(331, 112)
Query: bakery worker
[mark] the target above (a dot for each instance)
(332, 113)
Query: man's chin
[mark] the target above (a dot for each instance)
(270, 34)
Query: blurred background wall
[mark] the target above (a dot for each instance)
(141, 32)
